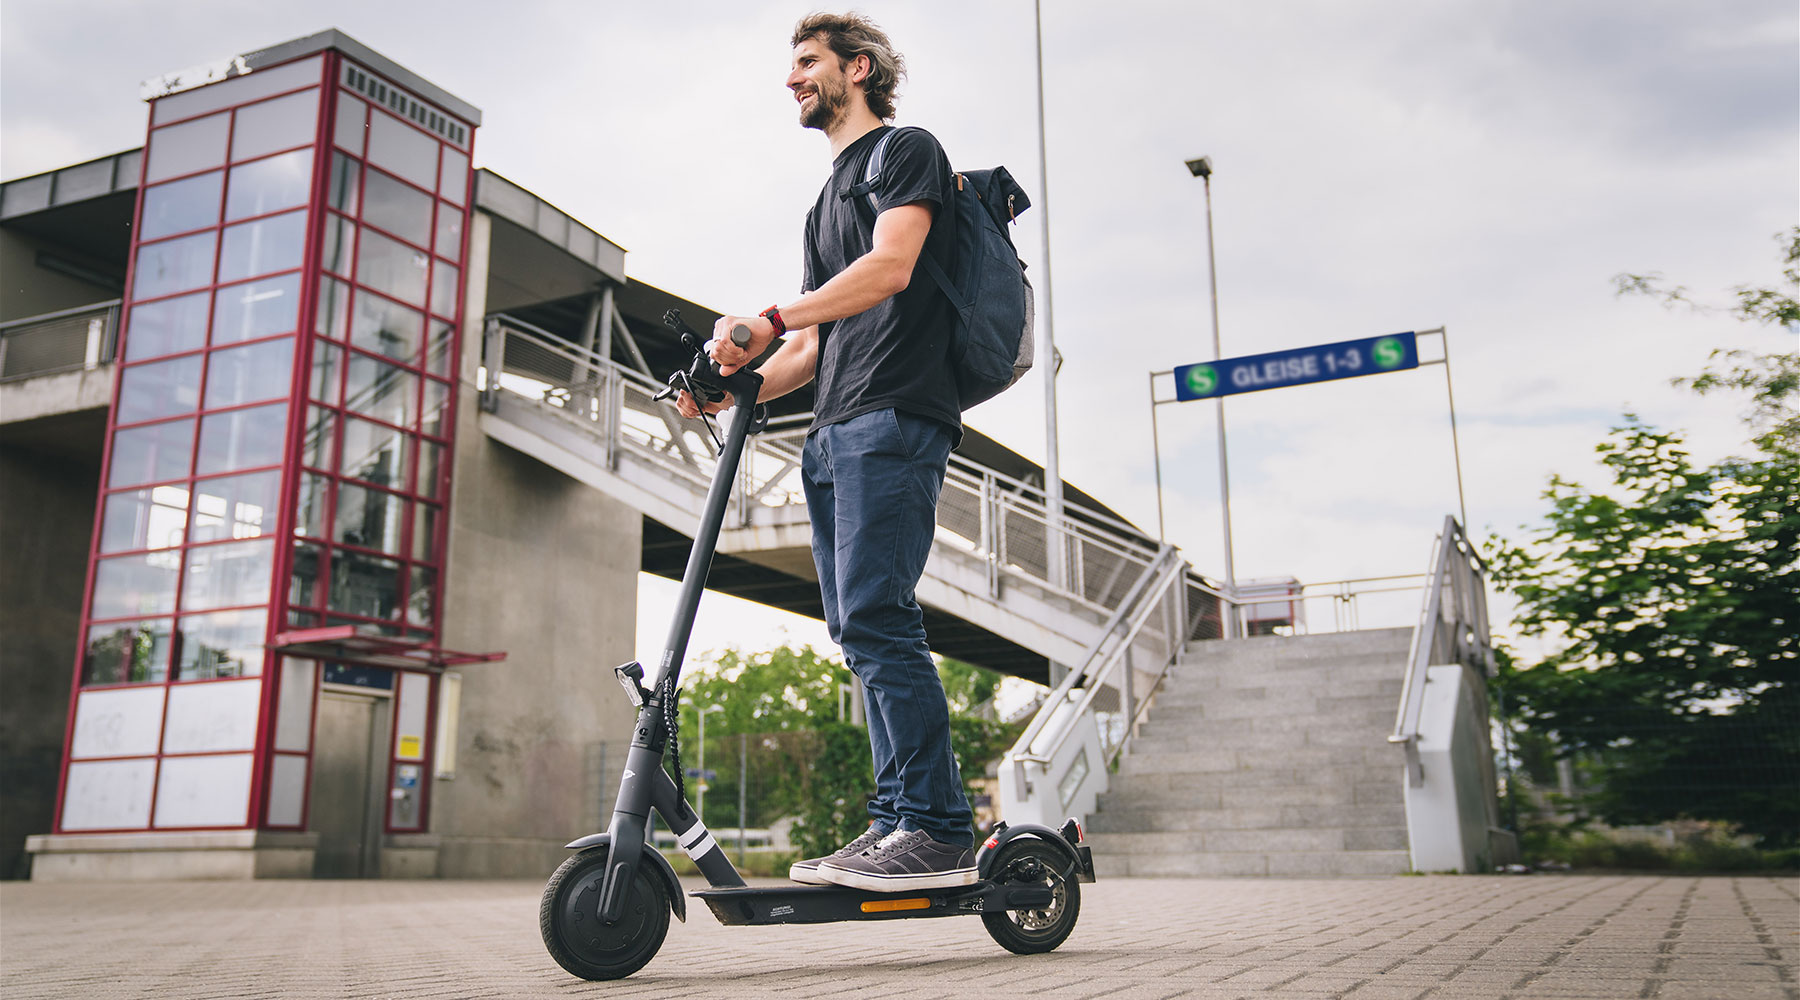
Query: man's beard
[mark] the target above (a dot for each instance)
(829, 106)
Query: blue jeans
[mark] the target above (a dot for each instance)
(872, 486)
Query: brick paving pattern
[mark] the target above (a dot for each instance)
(1538, 937)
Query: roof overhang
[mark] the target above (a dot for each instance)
(363, 646)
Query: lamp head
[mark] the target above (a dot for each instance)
(1201, 167)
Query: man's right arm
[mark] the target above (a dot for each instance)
(792, 365)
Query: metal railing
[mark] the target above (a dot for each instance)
(1453, 628)
(982, 511)
(67, 340)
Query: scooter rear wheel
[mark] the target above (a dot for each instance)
(1030, 861)
(569, 917)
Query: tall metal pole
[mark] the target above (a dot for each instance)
(1156, 455)
(1046, 360)
(1455, 441)
(1212, 270)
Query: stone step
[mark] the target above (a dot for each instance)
(1295, 863)
(1255, 731)
(1252, 841)
(1204, 787)
(1299, 646)
(1386, 791)
(1227, 703)
(1132, 818)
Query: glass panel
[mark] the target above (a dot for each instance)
(437, 353)
(256, 309)
(443, 289)
(437, 397)
(261, 83)
(340, 243)
(135, 585)
(227, 644)
(449, 232)
(365, 585)
(269, 185)
(328, 363)
(159, 389)
(186, 148)
(223, 576)
(273, 244)
(251, 373)
(369, 518)
(152, 454)
(155, 518)
(402, 210)
(126, 653)
(317, 446)
(375, 453)
(401, 149)
(421, 603)
(341, 188)
(174, 265)
(380, 390)
(391, 267)
(309, 515)
(283, 123)
(431, 468)
(236, 506)
(453, 182)
(242, 439)
(303, 583)
(333, 319)
(352, 114)
(167, 327)
(179, 206)
(386, 327)
(424, 539)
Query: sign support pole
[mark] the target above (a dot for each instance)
(1462, 504)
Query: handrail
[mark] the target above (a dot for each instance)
(1116, 638)
(1449, 632)
(60, 341)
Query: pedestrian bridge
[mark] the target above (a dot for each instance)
(1006, 586)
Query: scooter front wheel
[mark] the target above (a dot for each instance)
(1030, 861)
(569, 917)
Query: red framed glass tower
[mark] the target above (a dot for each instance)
(277, 464)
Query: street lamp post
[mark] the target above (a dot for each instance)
(1203, 169)
(700, 792)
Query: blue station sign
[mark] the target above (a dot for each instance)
(1280, 369)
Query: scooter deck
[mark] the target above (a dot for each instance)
(821, 904)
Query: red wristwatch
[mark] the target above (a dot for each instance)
(773, 315)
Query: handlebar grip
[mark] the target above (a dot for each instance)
(740, 335)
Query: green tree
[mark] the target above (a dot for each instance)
(1671, 598)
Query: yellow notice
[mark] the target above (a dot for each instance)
(409, 746)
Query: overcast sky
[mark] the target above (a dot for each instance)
(1381, 165)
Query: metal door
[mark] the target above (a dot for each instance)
(349, 783)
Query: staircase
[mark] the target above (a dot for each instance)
(1265, 756)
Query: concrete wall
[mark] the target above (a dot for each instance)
(545, 569)
(29, 290)
(46, 522)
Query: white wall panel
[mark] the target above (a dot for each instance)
(117, 722)
(293, 719)
(409, 720)
(204, 791)
(215, 715)
(108, 795)
(287, 790)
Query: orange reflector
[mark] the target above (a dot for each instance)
(885, 905)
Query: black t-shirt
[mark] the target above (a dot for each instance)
(897, 353)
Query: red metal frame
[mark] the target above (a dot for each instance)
(416, 495)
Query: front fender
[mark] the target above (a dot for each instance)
(677, 900)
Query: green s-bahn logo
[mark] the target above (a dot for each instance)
(1202, 380)
(1389, 353)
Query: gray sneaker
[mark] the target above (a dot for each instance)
(807, 872)
(903, 861)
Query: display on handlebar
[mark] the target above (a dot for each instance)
(701, 378)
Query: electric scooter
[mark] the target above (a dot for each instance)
(606, 910)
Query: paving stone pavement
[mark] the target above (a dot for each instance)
(1536, 937)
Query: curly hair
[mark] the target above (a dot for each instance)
(851, 35)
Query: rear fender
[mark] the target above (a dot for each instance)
(677, 901)
(1075, 854)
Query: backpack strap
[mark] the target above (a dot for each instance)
(863, 192)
